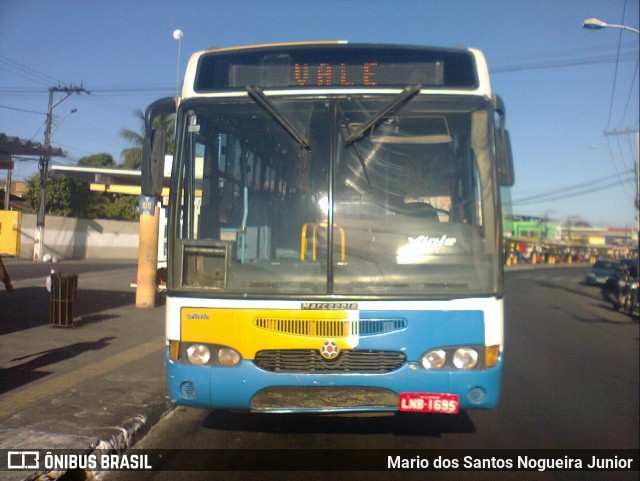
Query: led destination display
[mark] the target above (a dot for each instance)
(335, 66)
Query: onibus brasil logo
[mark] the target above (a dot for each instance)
(65, 460)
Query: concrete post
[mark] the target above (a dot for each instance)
(147, 282)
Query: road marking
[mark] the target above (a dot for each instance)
(12, 403)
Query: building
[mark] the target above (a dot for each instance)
(544, 230)
(533, 228)
(16, 200)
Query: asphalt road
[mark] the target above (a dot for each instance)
(570, 382)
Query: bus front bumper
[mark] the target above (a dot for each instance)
(247, 387)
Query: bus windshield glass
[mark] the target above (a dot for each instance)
(292, 195)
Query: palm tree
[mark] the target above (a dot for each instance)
(132, 156)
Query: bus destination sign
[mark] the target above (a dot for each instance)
(339, 66)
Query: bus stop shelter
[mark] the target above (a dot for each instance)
(10, 146)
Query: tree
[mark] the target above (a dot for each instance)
(65, 196)
(575, 221)
(121, 206)
(97, 160)
(69, 197)
(110, 205)
(132, 156)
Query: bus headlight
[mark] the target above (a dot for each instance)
(198, 354)
(434, 359)
(465, 358)
(461, 357)
(228, 357)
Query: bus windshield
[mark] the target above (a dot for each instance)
(290, 195)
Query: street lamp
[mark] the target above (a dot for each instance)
(72, 111)
(38, 248)
(597, 24)
(177, 34)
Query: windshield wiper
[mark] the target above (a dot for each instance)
(360, 158)
(263, 101)
(407, 94)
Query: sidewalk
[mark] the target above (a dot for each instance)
(98, 385)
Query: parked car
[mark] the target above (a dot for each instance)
(599, 272)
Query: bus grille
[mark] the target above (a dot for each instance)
(371, 327)
(331, 327)
(280, 398)
(309, 360)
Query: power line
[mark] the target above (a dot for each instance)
(576, 190)
(26, 69)
(21, 90)
(566, 58)
(121, 90)
(25, 72)
(615, 159)
(632, 85)
(559, 196)
(556, 64)
(124, 89)
(22, 110)
(615, 72)
(544, 63)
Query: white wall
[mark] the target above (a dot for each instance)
(71, 238)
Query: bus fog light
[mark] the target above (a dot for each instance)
(477, 395)
(198, 354)
(228, 357)
(465, 358)
(188, 389)
(434, 359)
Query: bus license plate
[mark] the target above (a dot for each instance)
(429, 402)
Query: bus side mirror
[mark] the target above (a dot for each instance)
(154, 147)
(504, 155)
(152, 170)
(506, 174)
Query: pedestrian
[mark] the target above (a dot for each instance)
(5, 277)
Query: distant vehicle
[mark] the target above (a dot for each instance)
(599, 272)
(632, 266)
(621, 289)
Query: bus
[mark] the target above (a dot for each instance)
(334, 229)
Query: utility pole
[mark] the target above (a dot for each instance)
(637, 201)
(43, 166)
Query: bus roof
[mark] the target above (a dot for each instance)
(274, 45)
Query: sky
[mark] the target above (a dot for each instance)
(571, 94)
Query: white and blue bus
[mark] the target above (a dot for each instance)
(334, 231)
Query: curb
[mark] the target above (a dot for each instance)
(131, 431)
